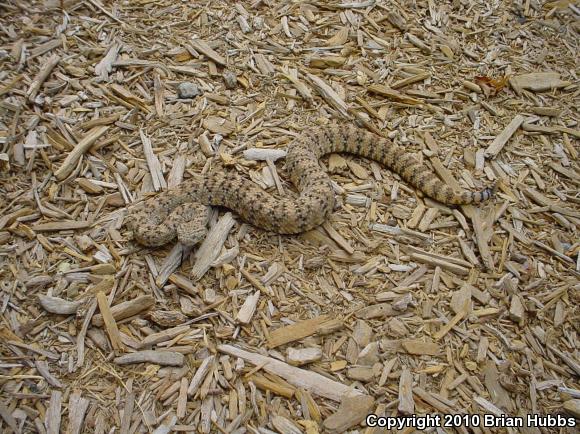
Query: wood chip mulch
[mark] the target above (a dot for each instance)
(396, 306)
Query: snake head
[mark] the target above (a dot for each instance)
(190, 233)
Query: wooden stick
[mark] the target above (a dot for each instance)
(205, 49)
(110, 324)
(79, 150)
(153, 163)
(53, 413)
(41, 77)
(126, 309)
(315, 383)
(165, 358)
(500, 141)
(212, 245)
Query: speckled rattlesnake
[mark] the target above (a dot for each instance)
(182, 212)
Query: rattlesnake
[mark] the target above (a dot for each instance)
(182, 212)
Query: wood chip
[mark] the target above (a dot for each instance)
(296, 331)
(537, 81)
(127, 309)
(500, 141)
(406, 402)
(211, 246)
(164, 358)
(316, 383)
(202, 46)
(351, 412)
(109, 322)
(79, 150)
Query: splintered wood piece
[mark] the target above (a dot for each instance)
(447, 327)
(58, 305)
(488, 406)
(248, 309)
(109, 321)
(164, 358)
(418, 42)
(311, 381)
(42, 368)
(164, 335)
(572, 406)
(396, 20)
(333, 233)
(212, 245)
(445, 173)
(329, 94)
(200, 375)
(537, 81)
(482, 236)
(128, 409)
(278, 388)
(437, 261)
(158, 93)
(49, 354)
(61, 226)
(406, 402)
(41, 77)
(410, 80)
(351, 412)
(171, 263)
(292, 75)
(153, 163)
(547, 111)
(500, 141)
(296, 331)
(420, 347)
(9, 419)
(436, 401)
(202, 46)
(517, 310)
(76, 412)
(82, 147)
(496, 391)
(303, 356)
(105, 66)
(176, 175)
(390, 93)
(182, 399)
(570, 361)
(126, 309)
(260, 154)
(53, 413)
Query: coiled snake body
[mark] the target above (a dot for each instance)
(182, 212)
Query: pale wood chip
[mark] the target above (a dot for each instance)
(351, 412)
(53, 414)
(316, 383)
(105, 66)
(79, 150)
(406, 402)
(41, 77)
(76, 412)
(153, 163)
(164, 358)
(212, 245)
(126, 309)
(500, 141)
(202, 46)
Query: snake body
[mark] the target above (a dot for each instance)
(182, 212)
